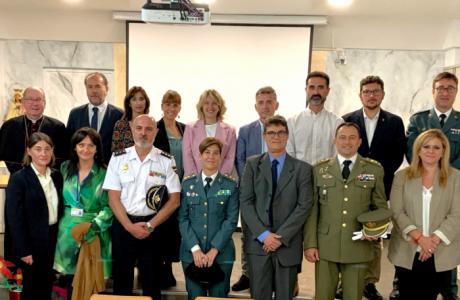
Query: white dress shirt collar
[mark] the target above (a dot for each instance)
(203, 177)
(342, 159)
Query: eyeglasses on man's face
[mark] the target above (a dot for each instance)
(280, 134)
(443, 89)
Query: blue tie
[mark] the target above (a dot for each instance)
(274, 184)
(94, 118)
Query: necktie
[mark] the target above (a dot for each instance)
(442, 118)
(274, 184)
(346, 169)
(94, 118)
(208, 185)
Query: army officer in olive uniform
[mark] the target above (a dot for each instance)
(345, 186)
(207, 218)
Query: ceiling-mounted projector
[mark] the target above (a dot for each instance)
(175, 12)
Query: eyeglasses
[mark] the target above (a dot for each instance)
(32, 99)
(373, 92)
(449, 89)
(279, 134)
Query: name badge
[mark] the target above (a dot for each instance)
(76, 212)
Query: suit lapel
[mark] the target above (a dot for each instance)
(35, 185)
(380, 128)
(436, 196)
(451, 122)
(415, 191)
(221, 132)
(265, 169)
(256, 133)
(199, 187)
(362, 129)
(286, 174)
(85, 116)
(357, 169)
(215, 186)
(200, 132)
(105, 120)
(433, 120)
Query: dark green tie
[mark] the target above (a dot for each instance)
(346, 169)
(208, 185)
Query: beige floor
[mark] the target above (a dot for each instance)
(306, 278)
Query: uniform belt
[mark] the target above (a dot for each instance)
(140, 218)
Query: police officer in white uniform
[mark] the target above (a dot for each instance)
(129, 176)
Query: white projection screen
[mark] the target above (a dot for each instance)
(234, 60)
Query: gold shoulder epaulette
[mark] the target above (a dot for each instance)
(189, 177)
(321, 161)
(229, 177)
(166, 154)
(373, 161)
(119, 152)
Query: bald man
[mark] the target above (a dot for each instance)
(130, 174)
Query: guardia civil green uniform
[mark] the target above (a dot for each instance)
(208, 221)
(337, 205)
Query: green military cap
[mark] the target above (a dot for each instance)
(375, 222)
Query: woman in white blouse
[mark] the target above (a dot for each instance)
(211, 110)
(32, 210)
(425, 200)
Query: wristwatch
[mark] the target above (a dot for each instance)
(150, 228)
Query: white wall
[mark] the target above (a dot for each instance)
(92, 26)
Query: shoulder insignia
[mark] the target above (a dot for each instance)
(229, 177)
(321, 161)
(119, 152)
(166, 154)
(188, 177)
(370, 160)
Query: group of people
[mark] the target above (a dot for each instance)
(301, 186)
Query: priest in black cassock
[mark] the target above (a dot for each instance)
(14, 132)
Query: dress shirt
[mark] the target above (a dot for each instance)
(50, 192)
(447, 113)
(211, 130)
(262, 142)
(279, 169)
(133, 177)
(371, 124)
(311, 135)
(342, 159)
(100, 115)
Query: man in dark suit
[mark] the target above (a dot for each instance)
(16, 131)
(97, 114)
(444, 117)
(383, 140)
(275, 197)
(251, 142)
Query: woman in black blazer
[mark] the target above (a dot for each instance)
(169, 139)
(32, 210)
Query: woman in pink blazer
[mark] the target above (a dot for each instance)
(211, 109)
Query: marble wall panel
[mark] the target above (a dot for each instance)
(58, 67)
(407, 75)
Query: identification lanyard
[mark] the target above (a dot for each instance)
(78, 210)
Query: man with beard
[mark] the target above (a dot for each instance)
(383, 140)
(311, 133)
(251, 142)
(97, 114)
(130, 175)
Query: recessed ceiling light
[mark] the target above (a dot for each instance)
(72, 1)
(340, 3)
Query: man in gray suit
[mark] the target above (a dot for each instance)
(251, 142)
(275, 197)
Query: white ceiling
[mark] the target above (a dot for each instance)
(439, 9)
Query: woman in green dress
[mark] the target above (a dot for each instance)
(84, 201)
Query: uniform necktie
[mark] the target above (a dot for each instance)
(94, 118)
(274, 184)
(208, 185)
(346, 169)
(442, 118)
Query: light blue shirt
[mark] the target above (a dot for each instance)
(279, 168)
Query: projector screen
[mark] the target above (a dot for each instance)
(234, 60)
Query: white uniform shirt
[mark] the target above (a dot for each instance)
(133, 177)
(311, 135)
